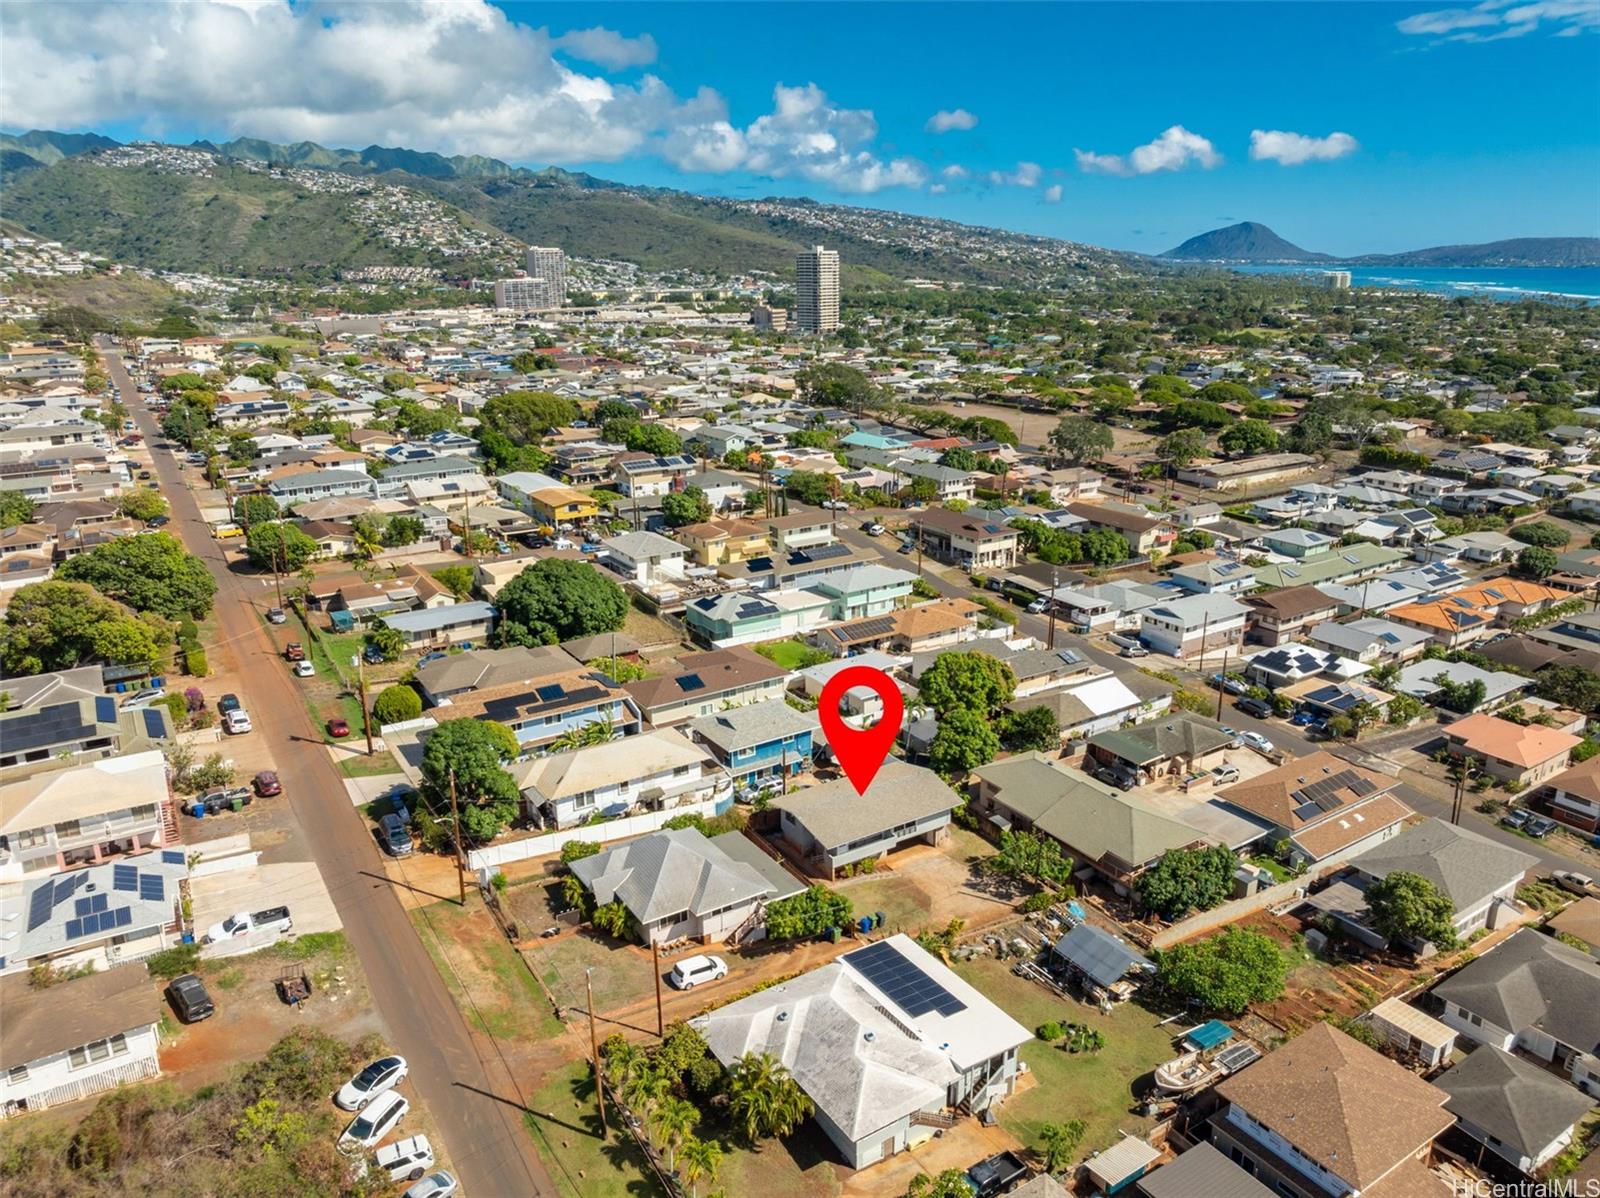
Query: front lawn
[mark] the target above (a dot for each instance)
(622, 974)
(793, 654)
(474, 959)
(1104, 1088)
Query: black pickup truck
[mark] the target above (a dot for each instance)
(189, 998)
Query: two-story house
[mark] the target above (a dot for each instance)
(654, 771)
(827, 827)
(548, 711)
(645, 558)
(1144, 532)
(969, 539)
(36, 740)
(759, 743)
(703, 683)
(1194, 625)
(1287, 614)
(1320, 808)
(85, 814)
(713, 542)
(647, 474)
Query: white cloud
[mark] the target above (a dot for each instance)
(1026, 175)
(1291, 149)
(947, 119)
(938, 189)
(453, 76)
(1174, 150)
(954, 171)
(804, 136)
(1496, 20)
(607, 48)
(1052, 194)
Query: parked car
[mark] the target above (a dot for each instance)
(1233, 686)
(189, 998)
(142, 698)
(377, 1120)
(907, 547)
(691, 971)
(383, 1074)
(267, 784)
(304, 669)
(874, 529)
(405, 1160)
(214, 801)
(436, 1185)
(1038, 607)
(228, 702)
(1259, 708)
(429, 658)
(276, 615)
(1575, 882)
(1134, 651)
(1224, 774)
(1304, 719)
(236, 722)
(395, 836)
(294, 651)
(1118, 776)
(158, 521)
(1256, 741)
(1516, 818)
(372, 655)
(1539, 826)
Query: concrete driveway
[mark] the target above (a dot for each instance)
(295, 884)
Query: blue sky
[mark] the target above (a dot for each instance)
(1347, 128)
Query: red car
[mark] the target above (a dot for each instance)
(338, 727)
(267, 784)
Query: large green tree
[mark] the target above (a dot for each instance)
(149, 573)
(809, 486)
(1187, 880)
(974, 681)
(1078, 437)
(255, 508)
(1571, 686)
(653, 438)
(142, 505)
(15, 509)
(274, 545)
(1407, 906)
(688, 506)
(476, 752)
(458, 580)
(524, 417)
(1030, 857)
(557, 599)
(1178, 449)
(1227, 972)
(835, 385)
(965, 740)
(57, 625)
(1248, 437)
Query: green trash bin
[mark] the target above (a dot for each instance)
(238, 805)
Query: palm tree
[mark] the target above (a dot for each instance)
(597, 732)
(673, 1121)
(644, 1089)
(621, 1062)
(763, 1098)
(701, 1158)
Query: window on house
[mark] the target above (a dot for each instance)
(17, 1074)
(97, 1050)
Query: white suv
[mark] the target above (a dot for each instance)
(405, 1160)
(236, 721)
(691, 971)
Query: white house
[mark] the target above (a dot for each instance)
(76, 1038)
(888, 1043)
(84, 813)
(646, 558)
(650, 772)
(1193, 625)
(1519, 1112)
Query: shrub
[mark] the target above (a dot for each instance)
(397, 705)
(577, 850)
(809, 913)
(613, 919)
(169, 963)
(1050, 1032)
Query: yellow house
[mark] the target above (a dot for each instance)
(562, 505)
(714, 542)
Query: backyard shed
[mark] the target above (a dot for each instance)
(1097, 955)
(1122, 1164)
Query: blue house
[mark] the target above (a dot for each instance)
(755, 743)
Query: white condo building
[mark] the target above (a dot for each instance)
(816, 290)
(549, 264)
(521, 295)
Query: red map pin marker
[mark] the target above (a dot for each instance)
(860, 750)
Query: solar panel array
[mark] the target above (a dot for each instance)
(902, 982)
(58, 724)
(152, 887)
(153, 727)
(92, 905)
(103, 921)
(1324, 794)
(105, 709)
(691, 682)
(172, 856)
(1236, 1056)
(124, 877)
(549, 693)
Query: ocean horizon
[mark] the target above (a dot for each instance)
(1573, 284)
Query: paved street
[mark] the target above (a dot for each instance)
(473, 1099)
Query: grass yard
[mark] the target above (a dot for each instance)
(378, 765)
(469, 952)
(622, 975)
(905, 905)
(1279, 872)
(566, 1128)
(793, 654)
(1098, 1088)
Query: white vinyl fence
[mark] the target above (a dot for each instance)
(613, 829)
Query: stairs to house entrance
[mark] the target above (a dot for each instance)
(169, 822)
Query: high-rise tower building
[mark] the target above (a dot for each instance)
(816, 290)
(549, 264)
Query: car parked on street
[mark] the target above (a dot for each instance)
(1516, 819)
(383, 1074)
(691, 971)
(276, 615)
(405, 1160)
(1233, 686)
(267, 784)
(338, 727)
(1259, 708)
(304, 669)
(1540, 826)
(376, 1120)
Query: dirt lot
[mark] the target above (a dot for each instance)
(926, 886)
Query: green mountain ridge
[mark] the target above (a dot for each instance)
(1244, 242)
(1255, 243)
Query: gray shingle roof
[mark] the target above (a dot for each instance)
(1533, 981)
(1512, 1100)
(667, 872)
(752, 725)
(836, 815)
(1467, 867)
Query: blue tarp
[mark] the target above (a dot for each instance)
(1209, 1035)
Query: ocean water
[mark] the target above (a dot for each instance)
(1577, 284)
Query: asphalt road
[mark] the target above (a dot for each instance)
(471, 1099)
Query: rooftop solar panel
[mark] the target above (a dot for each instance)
(153, 726)
(58, 724)
(901, 981)
(123, 916)
(691, 682)
(74, 929)
(124, 877)
(1307, 811)
(40, 906)
(172, 856)
(1236, 1056)
(550, 693)
(152, 887)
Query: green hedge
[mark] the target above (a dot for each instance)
(194, 662)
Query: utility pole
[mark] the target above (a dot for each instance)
(455, 837)
(1205, 630)
(783, 778)
(919, 548)
(1055, 581)
(655, 960)
(361, 686)
(594, 1053)
(1222, 677)
(277, 576)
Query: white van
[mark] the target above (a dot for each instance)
(691, 971)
